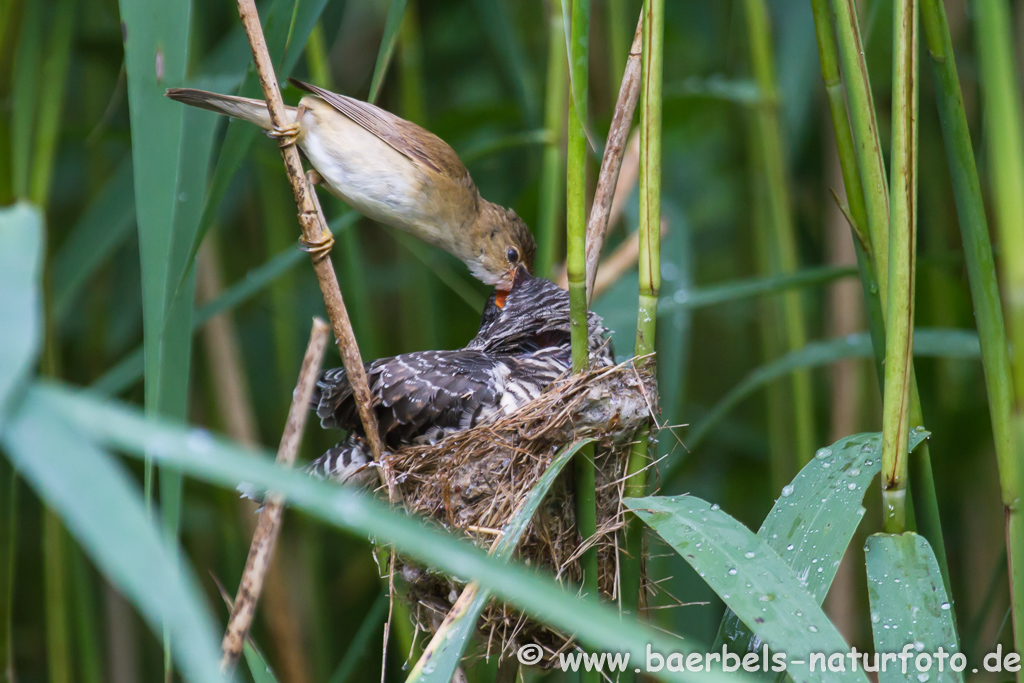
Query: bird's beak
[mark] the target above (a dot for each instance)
(512, 278)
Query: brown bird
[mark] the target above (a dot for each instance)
(394, 172)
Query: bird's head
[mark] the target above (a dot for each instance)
(505, 244)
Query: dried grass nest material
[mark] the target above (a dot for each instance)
(473, 481)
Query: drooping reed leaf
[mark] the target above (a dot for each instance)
(21, 261)
(103, 509)
(207, 458)
(814, 519)
(750, 578)
(21, 258)
(909, 606)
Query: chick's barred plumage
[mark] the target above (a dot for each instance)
(421, 397)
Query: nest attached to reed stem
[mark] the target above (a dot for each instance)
(473, 481)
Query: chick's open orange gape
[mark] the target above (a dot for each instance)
(394, 172)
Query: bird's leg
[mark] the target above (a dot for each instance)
(288, 134)
(321, 248)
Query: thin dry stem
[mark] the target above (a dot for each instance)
(314, 232)
(629, 174)
(622, 120)
(262, 548)
(233, 400)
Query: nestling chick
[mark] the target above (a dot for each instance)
(394, 172)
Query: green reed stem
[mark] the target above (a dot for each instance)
(576, 197)
(58, 645)
(649, 262)
(899, 348)
(1004, 118)
(51, 99)
(828, 57)
(995, 356)
(8, 549)
(781, 235)
(553, 169)
(865, 133)
(866, 154)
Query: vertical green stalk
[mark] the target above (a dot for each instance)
(51, 100)
(649, 262)
(1004, 118)
(618, 40)
(576, 181)
(865, 134)
(8, 548)
(576, 198)
(848, 52)
(828, 57)
(899, 347)
(553, 170)
(995, 356)
(781, 237)
(58, 646)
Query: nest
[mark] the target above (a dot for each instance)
(473, 481)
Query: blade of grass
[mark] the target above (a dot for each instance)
(812, 522)
(909, 607)
(441, 657)
(1003, 120)
(899, 348)
(751, 579)
(103, 509)
(988, 312)
(216, 461)
(359, 644)
(25, 93)
(51, 98)
(553, 165)
(780, 240)
(21, 262)
(392, 26)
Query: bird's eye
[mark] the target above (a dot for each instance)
(512, 255)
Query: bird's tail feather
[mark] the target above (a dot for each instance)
(254, 111)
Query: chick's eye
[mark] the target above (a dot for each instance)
(512, 255)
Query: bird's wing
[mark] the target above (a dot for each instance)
(419, 145)
(416, 395)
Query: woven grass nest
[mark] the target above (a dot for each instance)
(473, 481)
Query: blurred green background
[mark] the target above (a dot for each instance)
(474, 72)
